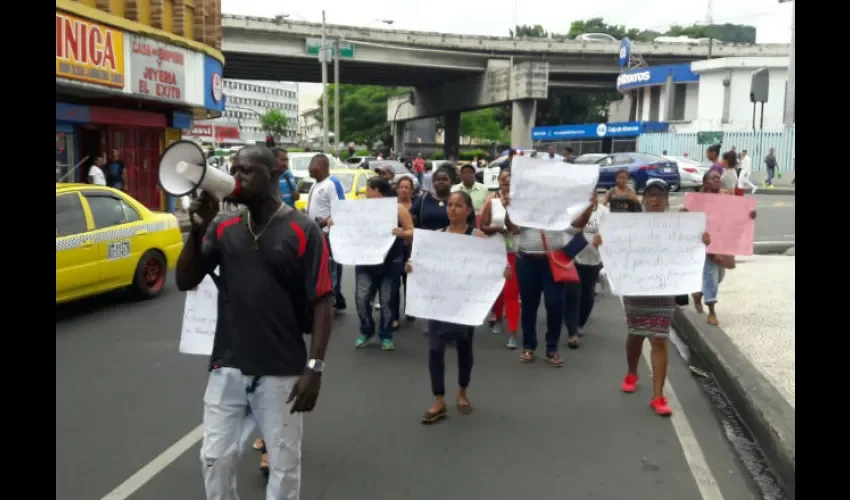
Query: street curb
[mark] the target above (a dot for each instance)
(762, 409)
(771, 247)
(784, 191)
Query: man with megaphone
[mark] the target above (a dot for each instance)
(274, 285)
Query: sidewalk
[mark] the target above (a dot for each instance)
(752, 353)
(781, 186)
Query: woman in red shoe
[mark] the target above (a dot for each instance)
(650, 317)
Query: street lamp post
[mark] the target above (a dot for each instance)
(336, 95)
(323, 62)
(791, 82)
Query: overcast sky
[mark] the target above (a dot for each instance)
(496, 17)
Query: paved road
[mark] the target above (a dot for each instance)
(124, 395)
(776, 214)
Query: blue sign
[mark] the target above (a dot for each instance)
(213, 84)
(72, 113)
(625, 51)
(656, 75)
(596, 130)
(181, 119)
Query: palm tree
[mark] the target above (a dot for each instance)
(274, 123)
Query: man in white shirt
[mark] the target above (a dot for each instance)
(319, 210)
(96, 175)
(746, 172)
(551, 155)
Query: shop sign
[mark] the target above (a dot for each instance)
(89, 52)
(219, 132)
(157, 70)
(217, 87)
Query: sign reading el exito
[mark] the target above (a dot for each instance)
(157, 70)
(89, 52)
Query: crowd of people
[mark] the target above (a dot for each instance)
(277, 280)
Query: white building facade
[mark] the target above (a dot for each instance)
(245, 102)
(702, 96)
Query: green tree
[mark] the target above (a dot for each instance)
(481, 124)
(274, 123)
(362, 112)
(731, 33)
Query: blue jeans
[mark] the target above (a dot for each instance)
(771, 171)
(535, 278)
(383, 281)
(712, 275)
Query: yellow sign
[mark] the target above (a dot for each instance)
(89, 52)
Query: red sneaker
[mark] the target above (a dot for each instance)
(659, 404)
(629, 383)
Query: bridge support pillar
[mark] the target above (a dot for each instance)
(397, 129)
(522, 121)
(451, 136)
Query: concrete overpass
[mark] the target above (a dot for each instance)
(450, 73)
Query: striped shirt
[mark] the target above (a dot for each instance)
(531, 242)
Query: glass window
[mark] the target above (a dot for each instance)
(346, 180)
(70, 217)
(622, 160)
(361, 183)
(65, 156)
(130, 213)
(107, 211)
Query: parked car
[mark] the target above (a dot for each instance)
(359, 161)
(299, 163)
(691, 172)
(106, 240)
(353, 183)
(398, 169)
(641, 167)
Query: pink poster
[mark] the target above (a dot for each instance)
(727, 220)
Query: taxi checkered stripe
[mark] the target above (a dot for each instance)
(119, 233)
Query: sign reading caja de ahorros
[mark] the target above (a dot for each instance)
(157, 70)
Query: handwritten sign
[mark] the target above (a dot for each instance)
(157, 70)
(549, 195)
(728, 221)
(362, 231)
(455, 278)
(653, 253)
(200, 315)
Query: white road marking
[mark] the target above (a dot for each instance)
(694, 456)
(155, 466)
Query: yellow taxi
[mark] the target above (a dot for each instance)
(353, 181)
(106, 240)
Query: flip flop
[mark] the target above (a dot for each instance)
(431, 417)
(464, 409)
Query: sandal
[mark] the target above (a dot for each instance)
(526, 357)
(259, 444)
(555, 359)
(432, 417)
(573, 343)
(264, 464)
(464, 409)
(712, 320)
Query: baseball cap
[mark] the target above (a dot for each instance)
(657, 183)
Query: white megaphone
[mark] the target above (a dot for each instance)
(183, 169)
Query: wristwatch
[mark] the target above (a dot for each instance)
(317, 365)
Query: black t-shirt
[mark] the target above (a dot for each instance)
(114, 172)
(266, 293)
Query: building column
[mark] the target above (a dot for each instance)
(669, 99)
(451, 135)
(522, 121)
(398, 137)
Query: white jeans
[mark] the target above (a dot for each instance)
(231, 408)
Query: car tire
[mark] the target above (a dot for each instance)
(149, 280)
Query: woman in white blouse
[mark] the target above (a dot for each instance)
(588, 264)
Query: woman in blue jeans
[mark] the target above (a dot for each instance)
(381, 279)
(535, 279)
(714, 269)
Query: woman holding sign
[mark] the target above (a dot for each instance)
(381, 279)
(459, 210)
(650, 317)
(404, 190)
(493, 217)
(715, 266)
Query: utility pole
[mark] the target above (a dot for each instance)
(336, 96)
(323, 61)
(791, 79)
